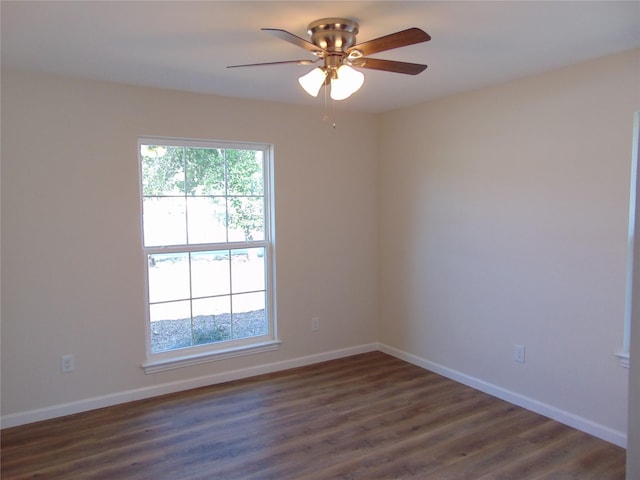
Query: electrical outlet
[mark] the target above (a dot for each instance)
(518, 353)
(67, 364)
(315, 324)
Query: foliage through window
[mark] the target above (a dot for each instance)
(206, 215)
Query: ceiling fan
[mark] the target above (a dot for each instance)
(333, 41)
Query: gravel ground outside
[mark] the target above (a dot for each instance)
(171, 334)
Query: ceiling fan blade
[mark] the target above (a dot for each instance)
(291, 38)
(295, 62)
(389, 65)
(393, 40)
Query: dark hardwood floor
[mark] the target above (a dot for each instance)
(370, 416)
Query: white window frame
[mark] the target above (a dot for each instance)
(632, 302)
(167, 360)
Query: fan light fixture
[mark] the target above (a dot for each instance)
(345, 81)
(312, 81)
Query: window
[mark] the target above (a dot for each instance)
(207, 241)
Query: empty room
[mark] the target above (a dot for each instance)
(320, 240)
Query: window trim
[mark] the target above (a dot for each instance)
(194, 355)
(633, 258)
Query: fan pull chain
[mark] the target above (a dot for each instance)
(333, 104)
(325, 117)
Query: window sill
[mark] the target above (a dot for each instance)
(623, 358)
(160, 365)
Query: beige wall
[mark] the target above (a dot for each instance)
(503, 220)
(72, 266)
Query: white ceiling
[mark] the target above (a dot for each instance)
(187, 45)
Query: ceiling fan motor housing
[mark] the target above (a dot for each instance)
(333, 35)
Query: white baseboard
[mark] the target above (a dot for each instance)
(605, 433)
(562, 416)
(61, 410)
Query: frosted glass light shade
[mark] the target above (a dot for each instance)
(312, 81)
(348, 82)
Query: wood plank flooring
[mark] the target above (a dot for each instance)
(369, 416)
